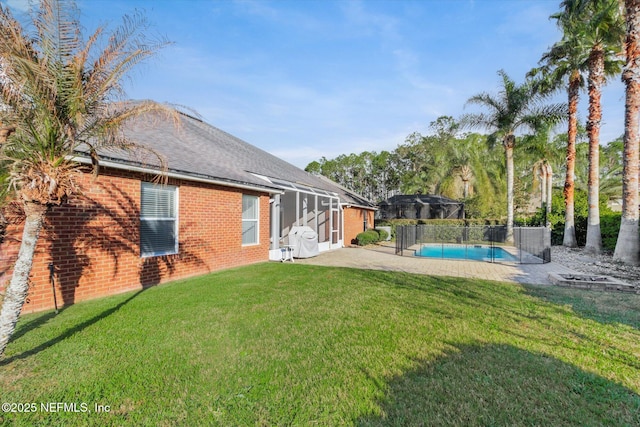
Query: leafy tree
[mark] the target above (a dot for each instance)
(370, 174)
(582, 166)
(611, 167)
(489, 179)
(59, 93)
(314, 167)
(443, 162)
(426, 162)
(386, 175)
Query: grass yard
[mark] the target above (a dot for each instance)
(287, 344)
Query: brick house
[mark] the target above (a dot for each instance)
(226, 204)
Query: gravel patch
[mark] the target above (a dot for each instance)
(576, 259)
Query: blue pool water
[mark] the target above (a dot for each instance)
(478, 253)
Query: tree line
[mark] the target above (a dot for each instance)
(462, 166)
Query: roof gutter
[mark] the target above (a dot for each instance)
(177, 175)
(353, 205)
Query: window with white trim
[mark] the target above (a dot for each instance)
(158, 220)
(250, 222)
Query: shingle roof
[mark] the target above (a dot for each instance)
(197, 149)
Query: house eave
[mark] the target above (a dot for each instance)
(353, 205)
(178, 175)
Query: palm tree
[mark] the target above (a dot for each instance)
(452, 157)
(562, 67)
(59, 94)
(468, 155)
(546, 154)
(516, 108)
(628, 244)
(598, 24)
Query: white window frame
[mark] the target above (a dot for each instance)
(174, 219)
(256, 220)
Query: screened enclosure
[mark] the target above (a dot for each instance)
(420, 206)
(302, 206)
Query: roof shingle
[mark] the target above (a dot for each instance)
(198, 149)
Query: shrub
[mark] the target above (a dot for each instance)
(609, 228)
(393, 223)
(368, 237)
(448, 222)
(383, 234)
(485, 221)
(609, 220)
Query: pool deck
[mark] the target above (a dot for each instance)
(384, 258)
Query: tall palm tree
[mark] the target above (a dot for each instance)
(628, 244)
(59, 94)
(562, 66)
(599, 25)
(516, 108)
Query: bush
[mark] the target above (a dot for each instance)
(485, 221)
(454, 223)
(609, 228)
(393, 223)
(383, 234)
(368, 237)
(609, 220)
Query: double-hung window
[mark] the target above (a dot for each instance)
(250, 223)
(158, 220)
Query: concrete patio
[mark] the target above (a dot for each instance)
(384, 258)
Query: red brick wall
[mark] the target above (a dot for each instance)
(354, 222)
(93, 240)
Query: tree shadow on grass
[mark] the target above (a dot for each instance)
(604, 307)
(66, 334)
(35, 323)
(503, 385)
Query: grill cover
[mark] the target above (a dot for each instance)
(304, 241)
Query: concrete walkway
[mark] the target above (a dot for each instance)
(384, 258)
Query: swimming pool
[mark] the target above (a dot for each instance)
(475, 252)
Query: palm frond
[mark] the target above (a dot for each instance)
(58, 92)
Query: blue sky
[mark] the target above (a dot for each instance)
(304, 79)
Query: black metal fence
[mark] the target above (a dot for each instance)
(529, 245)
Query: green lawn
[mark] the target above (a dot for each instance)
(287, 344)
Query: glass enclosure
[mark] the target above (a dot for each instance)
(320, 212)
